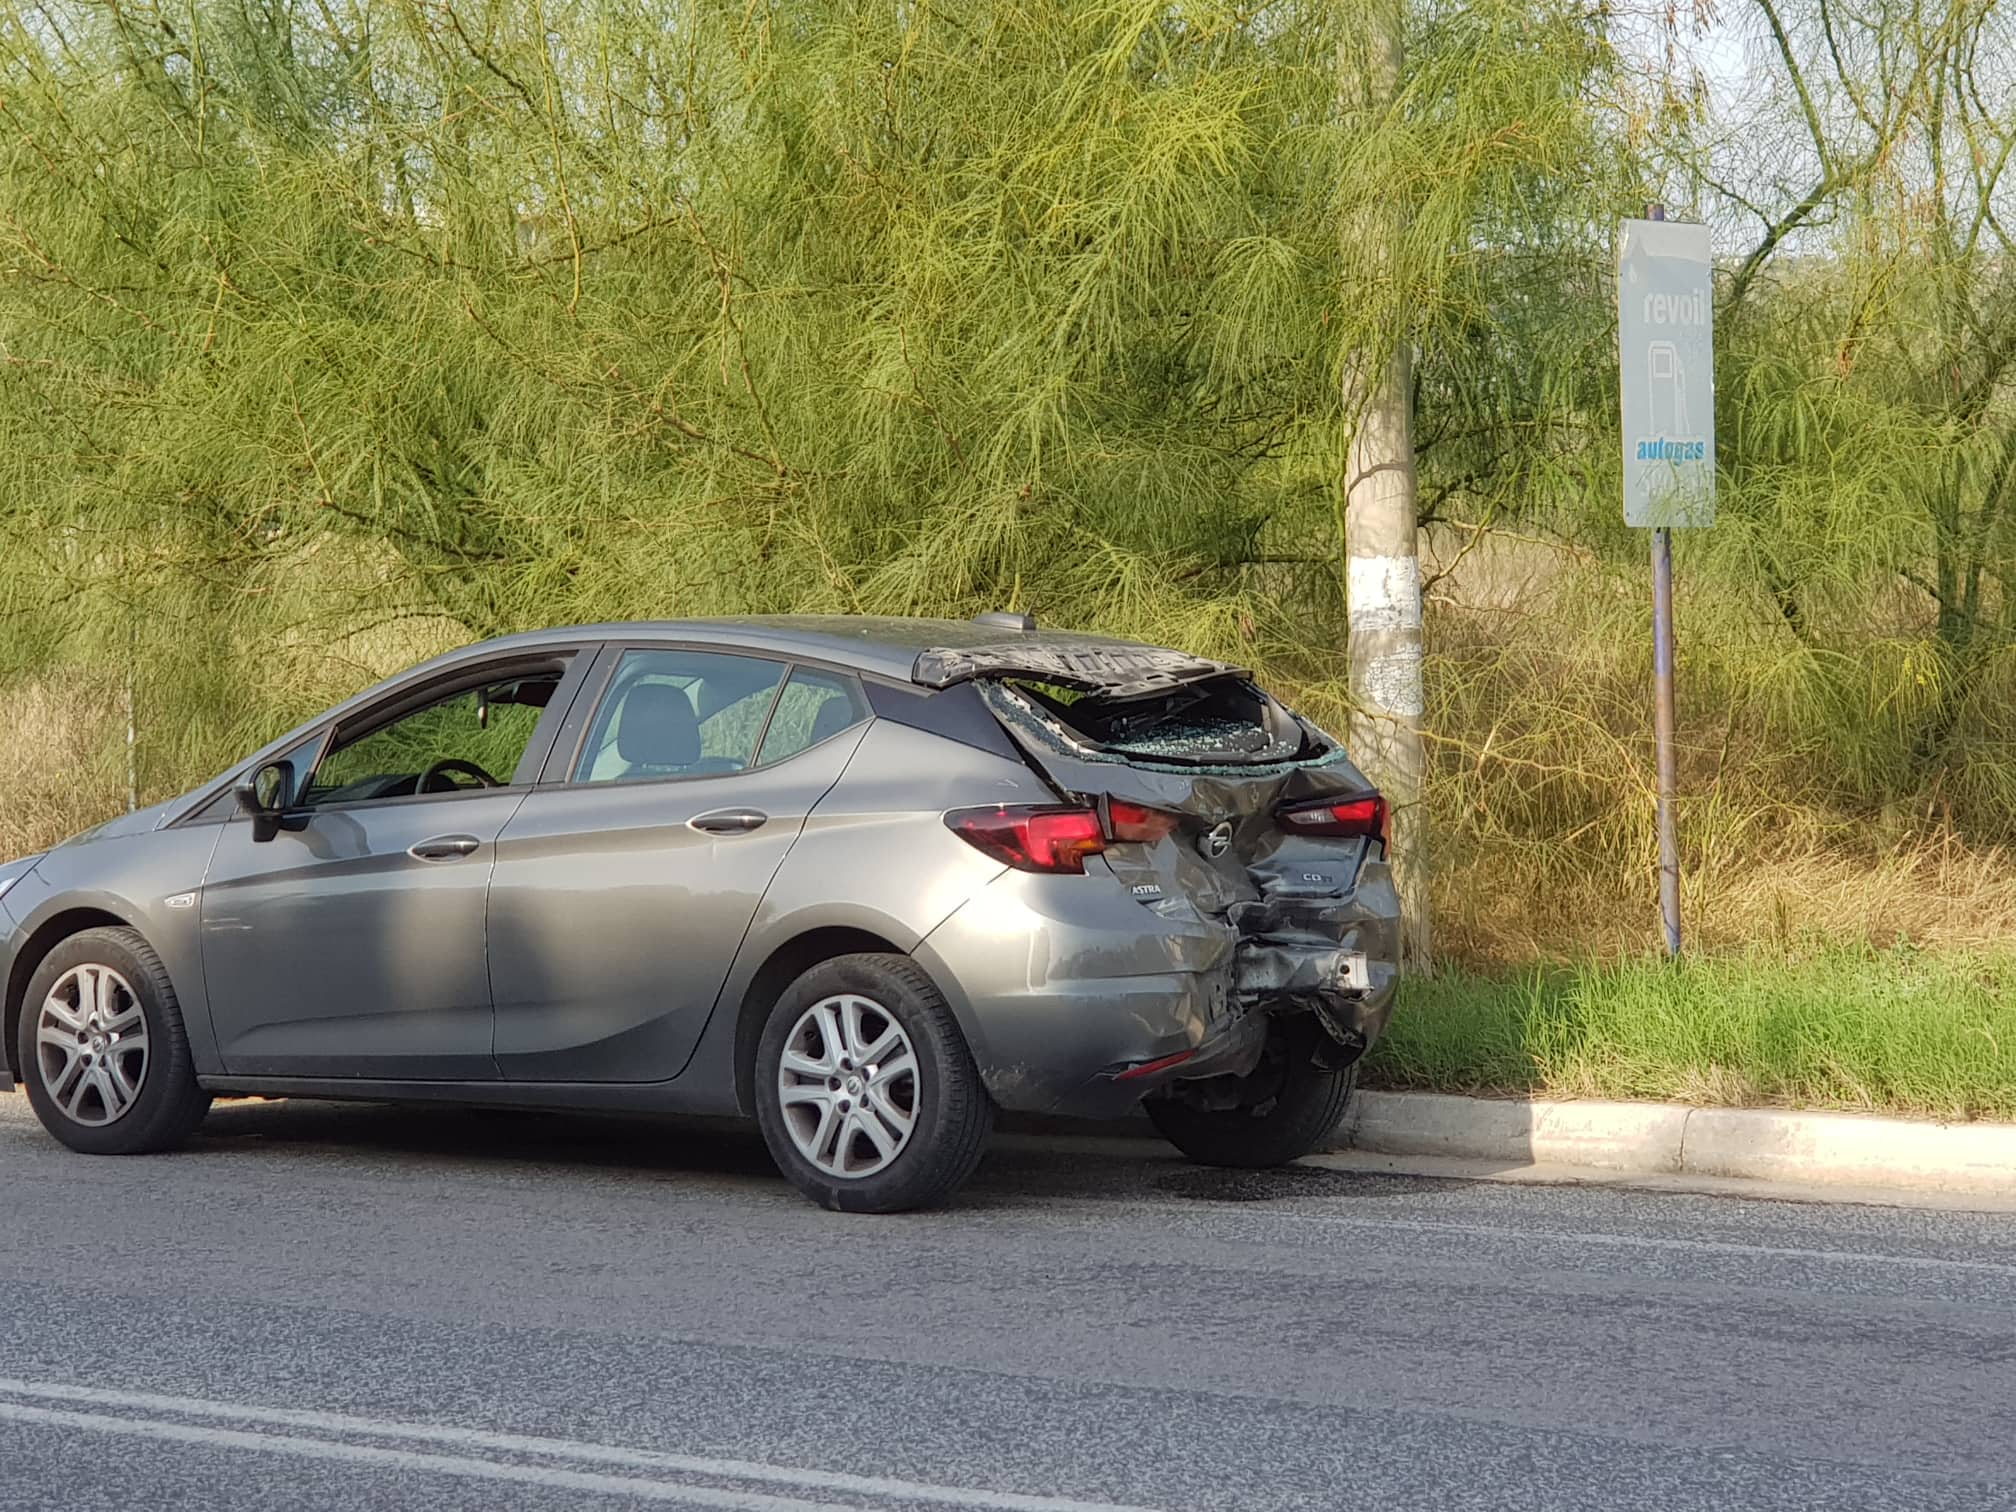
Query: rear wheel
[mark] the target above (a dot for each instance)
(865, 1091)
(1286, 1108)
(102, 1050)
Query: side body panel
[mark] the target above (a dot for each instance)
(613, 921)
(1068, 976)
(331, 950)
(875, 856)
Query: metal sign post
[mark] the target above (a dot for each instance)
(1666, 358)
(1662, 733)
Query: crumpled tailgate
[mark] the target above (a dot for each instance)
(1314, 921)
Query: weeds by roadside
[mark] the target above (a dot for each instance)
(1902, 1031)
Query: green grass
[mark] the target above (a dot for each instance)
(1902, 1031)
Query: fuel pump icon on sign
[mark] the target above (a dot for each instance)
(1666, 390)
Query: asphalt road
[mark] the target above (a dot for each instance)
(319, 1306)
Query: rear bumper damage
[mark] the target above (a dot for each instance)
(1334, 957)
(1079, 1001)
(1169, 958)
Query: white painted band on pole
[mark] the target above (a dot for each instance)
(1393, 683)
(1383, 592)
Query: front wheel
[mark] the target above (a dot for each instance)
(1286, 1108)
(102, 1050)
(865, 1090)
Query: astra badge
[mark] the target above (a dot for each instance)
(1217, 840)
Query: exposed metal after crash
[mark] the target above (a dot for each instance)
(1276, 846)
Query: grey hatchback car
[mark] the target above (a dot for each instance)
(867, 880)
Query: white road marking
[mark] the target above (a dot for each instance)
(832, 1481)
(412, 1460)
(1647, 1241)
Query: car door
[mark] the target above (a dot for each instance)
(622, 891)
(351, 942)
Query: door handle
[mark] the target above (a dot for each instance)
(728, 821)
(444, 847)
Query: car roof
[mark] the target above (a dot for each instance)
(883, 645)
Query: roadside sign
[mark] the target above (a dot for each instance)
(1666, 352)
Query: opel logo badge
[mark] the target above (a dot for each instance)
(1217, 840)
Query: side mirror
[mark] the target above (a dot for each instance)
(266, 795)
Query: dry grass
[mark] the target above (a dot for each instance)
(1543, 840)
(1936, 892)
(62, 760)
(1543, 804)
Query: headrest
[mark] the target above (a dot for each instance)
(658, 727)
(834, 716)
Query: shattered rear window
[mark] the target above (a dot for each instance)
(1224, 720)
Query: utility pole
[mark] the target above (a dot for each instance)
(1382, 587)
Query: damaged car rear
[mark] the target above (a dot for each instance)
(1203, 924)
(867, 881)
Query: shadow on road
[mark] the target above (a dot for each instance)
(1018, 1166)
(653, 1145)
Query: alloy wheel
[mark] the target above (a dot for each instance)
(91, 1045)
(847, 1083)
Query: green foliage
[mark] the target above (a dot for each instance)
(336, 331)
(321, 314)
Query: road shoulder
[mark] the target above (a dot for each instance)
(1816, 1156)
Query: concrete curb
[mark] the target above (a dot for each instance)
(1763, 1144)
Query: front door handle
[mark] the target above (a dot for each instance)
(444, 847)
(728, 821)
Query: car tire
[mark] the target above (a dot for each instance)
(881, 1136)
(97, 1098)
(1289, 1106)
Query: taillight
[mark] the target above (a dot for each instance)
(1031, 839)
(1363, 816)
(1139, 824)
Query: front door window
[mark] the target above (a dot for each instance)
(469, 740)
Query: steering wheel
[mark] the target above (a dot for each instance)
(428, 779)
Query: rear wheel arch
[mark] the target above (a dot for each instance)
(784, 966)
(900, 1127)
(47, 935)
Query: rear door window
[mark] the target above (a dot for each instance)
(815, 706)
(679, 713)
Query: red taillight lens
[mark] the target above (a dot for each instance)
(1138, 824)
(1149, 1068)
(1363, 817)
(1031, 839)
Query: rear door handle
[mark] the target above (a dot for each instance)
(729, 821)
(444, 847)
